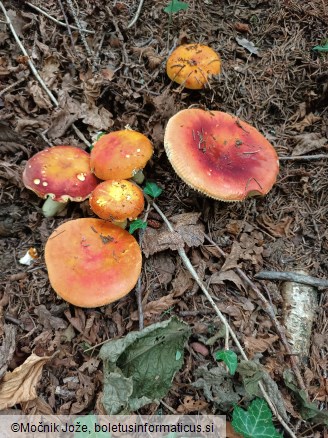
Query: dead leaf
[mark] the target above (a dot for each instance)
(39, 96)
(308, 120)
(200, 348)
(98, 118)
(259, 345)
(189, 404)
(248, 45)
(20, 385)
(308, 142)
(50, 70)
(242, 27)
(8, 346)
(232, 258)
(275, 229)
(156, 307)
(160, 240)
(48, 320)
(230, 431)
(61, 120)
(164, 267)
(230, 275)
(186, 225)
(182, 283)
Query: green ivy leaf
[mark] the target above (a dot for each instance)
(175, 6)
(137, 225)
(152, 189)
(321, 48)
(229, 358)
(255, 422)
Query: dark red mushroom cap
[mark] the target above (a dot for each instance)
(61, 172)
(220, 155)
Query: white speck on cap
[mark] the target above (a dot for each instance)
(81, 176)
(36, 181)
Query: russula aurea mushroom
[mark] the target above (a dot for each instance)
(117, 200)
(60, 174)
(219, 155)
(120, 154)
(92, 262)
(192, 65)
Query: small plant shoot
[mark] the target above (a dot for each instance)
(323, 48)
(152, 189)
(229, 358)
(138, 224)
(175, 6)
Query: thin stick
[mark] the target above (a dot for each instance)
(292, 276)
(192, 271)
(304, 157)
(35, 72)
(268, 308)
(135, 18)
(78, 24)
(11, 86)
(60, 23)
(67, 25)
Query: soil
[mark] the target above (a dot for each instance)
(282, 90)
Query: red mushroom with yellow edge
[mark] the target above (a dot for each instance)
(117, 201)
(121, 155)
(92, 262)
(193, 65)
(60, 174)
(220, 155)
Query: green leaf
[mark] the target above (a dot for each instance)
(175, 6)
(229, 358)
(321, 48)
(139, 368)
(137, 225)
(86, 425)
(255, 422)
(152, 189)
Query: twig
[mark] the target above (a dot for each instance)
(135, 18)
(268, 308)
(192, 271)
(67, 25)
(2, 92)
(60, 23)
(78, 24)
(35, 72)
(292, 276)
(304, 157)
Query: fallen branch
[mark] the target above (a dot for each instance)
(35, 72)
(135, 18)
(80, 28)
(304, 157)
(292, 276)
(223, 319)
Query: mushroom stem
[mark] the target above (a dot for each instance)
(51, 208)
(121, 224)
(138, 177)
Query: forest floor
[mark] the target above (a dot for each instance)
(282, 90)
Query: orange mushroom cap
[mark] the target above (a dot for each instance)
(220, 155)
(92, 262)
(192, 65)
(61, 172)
(117, 200)
(120, 154)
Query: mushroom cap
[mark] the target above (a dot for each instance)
(117, 200)
(192, 65)
(92, 262)
(219, 155)
(61, 172)
(120, 154)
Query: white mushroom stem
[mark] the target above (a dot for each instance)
(29, 257)
(50, 208)
(138, 177)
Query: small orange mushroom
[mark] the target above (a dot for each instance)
(219, 155)
(92, 262)
(60, 174)
(117, 200)
(120, 154)
(192, 65)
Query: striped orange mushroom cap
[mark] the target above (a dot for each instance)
(219, 155)
(92, 262)
(192, 65)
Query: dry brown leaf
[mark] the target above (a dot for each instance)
(39, 96)
(61, 120)
(20, 385)
(308, 120)
(24, 125)
(308, 142)
(230, 275)
(50, 70)
(277, 230)
(182, 283)
(232, 258)
(98, 118)
(191, 405)
(156, 307)
(160, 240)
(48, 320)
(259, 345)
(164, 267)
(242, 27)
(186, 225)
(230, 431)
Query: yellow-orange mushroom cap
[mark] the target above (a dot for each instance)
(92, 262)
(192, 65)
(120, 154)
(219, 155)
(117, 200)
